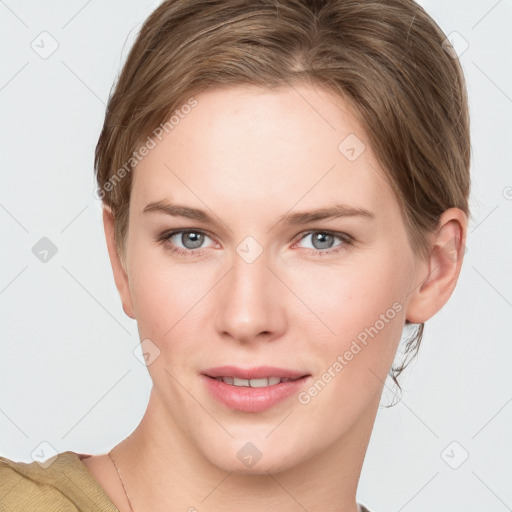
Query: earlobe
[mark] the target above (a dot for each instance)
(120, 275)
(441, 271)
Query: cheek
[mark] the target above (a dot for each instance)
(365, 311)
(170, 301)
(159, 293)
(358, 310)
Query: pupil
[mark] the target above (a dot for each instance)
(195, 238)
(320, 237)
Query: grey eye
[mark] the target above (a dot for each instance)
(322, 240)
(190, 239)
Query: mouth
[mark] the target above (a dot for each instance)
(258, 376)
(253, 390)
(254, 383)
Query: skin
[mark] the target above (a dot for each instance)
(248, 156)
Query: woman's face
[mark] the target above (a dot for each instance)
(259, 284)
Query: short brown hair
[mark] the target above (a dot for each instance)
(387, 59)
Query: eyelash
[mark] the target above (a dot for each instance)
(346, 239)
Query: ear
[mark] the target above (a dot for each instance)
(120, 275)
(441, 271)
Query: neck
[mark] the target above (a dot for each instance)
(163, 475)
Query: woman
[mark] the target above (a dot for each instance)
(285, 189)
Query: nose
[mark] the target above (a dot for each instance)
(251, 301)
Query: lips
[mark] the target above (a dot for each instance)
(253, 391)
(258, 372)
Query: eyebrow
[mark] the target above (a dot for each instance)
(297, 218)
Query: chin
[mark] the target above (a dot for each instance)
(253, 458)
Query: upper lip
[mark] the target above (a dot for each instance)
(258, 372)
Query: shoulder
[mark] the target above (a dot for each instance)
(34, 485)
(59, 484)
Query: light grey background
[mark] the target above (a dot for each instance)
(68, 372)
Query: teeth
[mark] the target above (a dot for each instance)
(253, 383)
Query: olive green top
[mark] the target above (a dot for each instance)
(63, 485)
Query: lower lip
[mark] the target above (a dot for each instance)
(247, 399)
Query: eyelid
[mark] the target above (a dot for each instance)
(300, 236)
(344, 237)
(171, 232)
(166, 235)
(346, 240)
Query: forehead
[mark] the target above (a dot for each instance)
(247, 146)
